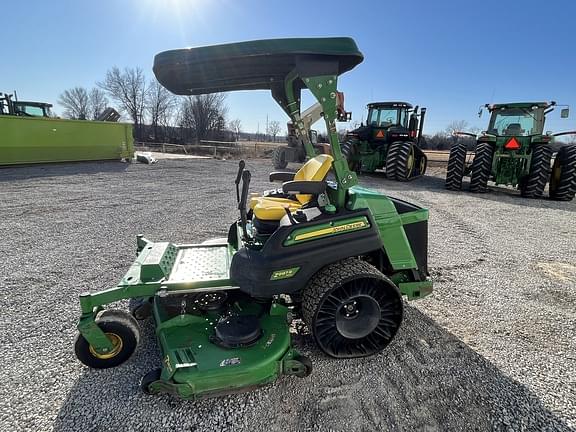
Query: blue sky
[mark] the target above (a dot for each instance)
(450, 56)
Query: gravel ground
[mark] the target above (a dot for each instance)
(492, 348)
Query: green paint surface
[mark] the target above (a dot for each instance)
(26, 140)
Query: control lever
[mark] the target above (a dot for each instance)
(289, 214)
(243, 198)
(241, 166)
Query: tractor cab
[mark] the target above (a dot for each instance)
(517, 119)
(32, 109)
(388, 118)
(391, 121)
(23, 108)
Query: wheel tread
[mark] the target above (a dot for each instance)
(278, 161)
(397, 160)
(565, 190)
(481, 167)
(534, 184)
(456, 167)
(336, 275)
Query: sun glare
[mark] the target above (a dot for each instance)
(175, 8)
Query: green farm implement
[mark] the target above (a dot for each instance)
(390, 140)
(515, 151)
(337, 255)
(31, 135)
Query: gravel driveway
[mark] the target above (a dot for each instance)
(492, 348)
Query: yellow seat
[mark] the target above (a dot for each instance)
(273, 208)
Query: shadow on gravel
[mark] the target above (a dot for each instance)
(23, 172)
(426, 380)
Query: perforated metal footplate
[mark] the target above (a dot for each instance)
(201, 264)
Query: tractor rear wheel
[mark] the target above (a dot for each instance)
(279, 158)
(350, 150)
(563, 178)
(532, 186)
(481, 167)
(401, 161)
(456, 167)
(352, 309)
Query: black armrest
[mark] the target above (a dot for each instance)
(281, 176)
(304, 187)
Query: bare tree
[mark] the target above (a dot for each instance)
(274, 129)
(128, 88)
(160, 105)
(203, 114)
(456, 125)
(97, 103)
(236, 127)
(75, 102)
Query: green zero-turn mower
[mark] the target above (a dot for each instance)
(337, 255)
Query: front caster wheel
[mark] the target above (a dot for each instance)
(149, 378)
(121, 329)
(352, 309)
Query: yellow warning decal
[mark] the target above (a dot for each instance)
(332, 230)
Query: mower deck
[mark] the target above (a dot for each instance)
(196, 367)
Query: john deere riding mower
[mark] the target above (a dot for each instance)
(390, 140)
(515, 151)
(335, 254)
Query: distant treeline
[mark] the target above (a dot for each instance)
(160, 116)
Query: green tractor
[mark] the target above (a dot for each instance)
(390, 140)
(323, 249)
(515, 151)
(23, 108)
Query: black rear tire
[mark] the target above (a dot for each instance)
(122, 329)
(279, 158)
(563, 178)
(422, 162)
(481, 167)
(352, 309)
(401, 161)
(532, 186)
(349, 151)
(456, 167)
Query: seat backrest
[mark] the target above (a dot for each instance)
(514, 129)
(316, 169)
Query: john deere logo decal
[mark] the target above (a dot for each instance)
(325, 230)
(284, 274)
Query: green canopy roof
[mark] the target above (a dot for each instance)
(253, 65)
